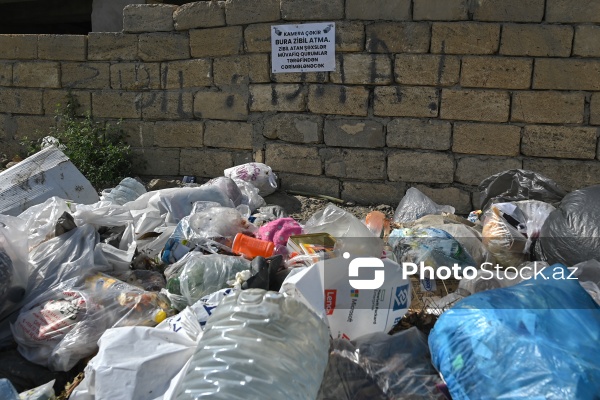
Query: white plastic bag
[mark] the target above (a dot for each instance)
(250, 196)
(415, 205)
(40, 220)
(127, 190)
(258, 174)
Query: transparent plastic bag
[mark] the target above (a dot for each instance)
(250, 195)
(127, 190)
(43, 392)
(205, 228)
(40, 220)
(415, 205)
(229, 187)
(380, 366)
(197, 275)
(505, 240)
(62, 325)
(14, 267)
(258, 174)
(535, 339)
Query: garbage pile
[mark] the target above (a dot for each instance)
(207, 290)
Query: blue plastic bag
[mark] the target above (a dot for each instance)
(535, 340)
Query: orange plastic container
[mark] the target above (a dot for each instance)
(252, 247)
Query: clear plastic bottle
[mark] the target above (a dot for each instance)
(7, 390)
(258, 345)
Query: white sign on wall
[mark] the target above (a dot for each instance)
(303, 47)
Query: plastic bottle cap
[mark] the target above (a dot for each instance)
(160, 316)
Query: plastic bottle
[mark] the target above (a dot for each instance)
(127, 190)
(7, 390)
(258, 345)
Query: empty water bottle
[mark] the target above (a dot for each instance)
(127, 190)
(258, 345)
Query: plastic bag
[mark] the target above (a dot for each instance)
(537, 339)
(258, 174)
(219, 224)
(351, 234)
(61, 326)
(504, 234)
(250, 196)
(380, 366)
(127, 190)
(14, 268)
(571, 233)
(43, 392)
(518, 184)
(40, 220)
(197, 275)
(229, 187)
(415, 205)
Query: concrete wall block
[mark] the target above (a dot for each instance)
(496, 72)
(230, 135)
(508, 10)
(54, 99)
(39, 74)
(491, 139)
(572, 11)
(388, 10)
(475, 105)
(302, 77)
(241, 12)
(362, 69)
(89, 75)
(135, 76)
(559, 142)
(569, 174)
(441, 10)
(18, 47)
(32, 127)
(216, 42)
(257, 38)
(595, 109)
(587, 41)
(137, 133)
(162, 46)
(465, 38)
(426, 69)
(278, 97)
(407, 133)
(116, 104)
(165, 105)
(293, 158)
(398, 37)
(572, 74)
(148, 17)
(364, 133)
(459, 199)
(310, 184)
(295, 128)
(62, 47)
(548, 107)
(297, 10)
(157, 161)
(373, 193)
(205, 163)
(112, 46)
(236, 70)
(180, 134)
(397, 101)
(536, 40)
(225, 104)
(338, 99)
(187, 74)
(354, 163)
(200, 14)
(349, 36)
(473, 170)
(413, 166)
(6, 72)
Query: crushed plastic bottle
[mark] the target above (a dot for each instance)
(258, 345)
(127, 190)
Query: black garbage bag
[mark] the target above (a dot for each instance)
(571, 233)
(518, 184)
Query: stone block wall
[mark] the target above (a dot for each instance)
(436, 94)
